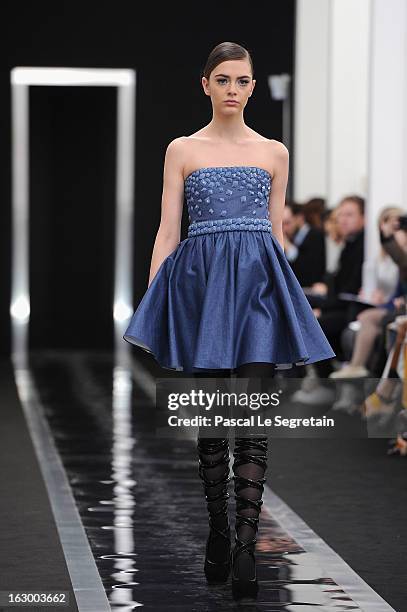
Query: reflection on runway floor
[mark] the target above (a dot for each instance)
(142, 505)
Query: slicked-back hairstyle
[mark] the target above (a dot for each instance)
(223, 52)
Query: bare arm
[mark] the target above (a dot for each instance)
(278, 191)
(169, 231)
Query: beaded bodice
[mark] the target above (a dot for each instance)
(227, 192)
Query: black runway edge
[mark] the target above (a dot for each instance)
(142, 507)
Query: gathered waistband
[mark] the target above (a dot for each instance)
(227, 225)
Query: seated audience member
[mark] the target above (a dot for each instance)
(314, 210)
(387, 297)
(392, 230)
(304, 246)
(334, 242)
(335, 313)
(389, 399)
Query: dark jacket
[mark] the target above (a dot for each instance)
(348, 276)
(309, 265)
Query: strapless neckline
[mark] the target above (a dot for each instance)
(228, 168)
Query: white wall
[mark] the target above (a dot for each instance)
(310, 99)
(351, 104)
(348, 98)
(331, 89)
(387, 112)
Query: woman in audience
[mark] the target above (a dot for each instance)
(388, 295)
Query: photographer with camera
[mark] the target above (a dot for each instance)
(389, 228)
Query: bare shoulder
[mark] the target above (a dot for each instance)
(181, 150)
(278, 156)
(274, 153)
(181, 147)
(175, 156)
(177, 145)
(278, 148)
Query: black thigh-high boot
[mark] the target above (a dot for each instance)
(214, 471)
(249, 467)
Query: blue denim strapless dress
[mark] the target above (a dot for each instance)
(227, 294)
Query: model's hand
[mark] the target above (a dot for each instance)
(317, 312)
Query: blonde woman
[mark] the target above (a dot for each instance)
(387, 295)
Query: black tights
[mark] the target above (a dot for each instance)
(254, 369)
(250, 464)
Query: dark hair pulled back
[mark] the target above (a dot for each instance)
(222, 53)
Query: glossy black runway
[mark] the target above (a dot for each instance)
(142, 508)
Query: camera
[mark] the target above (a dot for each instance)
(403, 222)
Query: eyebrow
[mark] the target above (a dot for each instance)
(244, 76)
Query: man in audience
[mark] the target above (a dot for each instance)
(304, 246)
(335, 313)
